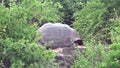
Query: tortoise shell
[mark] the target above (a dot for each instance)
(61, 35)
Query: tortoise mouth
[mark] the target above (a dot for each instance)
(79, 42)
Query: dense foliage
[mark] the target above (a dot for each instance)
(18, 48)
(97, 22)
(69, 7)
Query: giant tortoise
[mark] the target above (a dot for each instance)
(60, 35)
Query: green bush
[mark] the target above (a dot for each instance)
(114, 53)
(69, 7)
(94, 56)
(95, 23)
(88, 21)
(99, 55)
(24, 54)
(18, 47)
(21, 13)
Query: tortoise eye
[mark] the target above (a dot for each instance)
(79, 42)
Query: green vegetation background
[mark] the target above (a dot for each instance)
(97, 22)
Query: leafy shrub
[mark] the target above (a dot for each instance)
(18, 49)
(99, 55)
(94, 56)
(69, 7)
(91, 22)
(88, 21)
(23, 54)
(21, 13)
(113, 4)
(114, 53)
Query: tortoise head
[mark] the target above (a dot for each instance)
(79, 42)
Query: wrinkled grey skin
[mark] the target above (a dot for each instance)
(60, 35)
